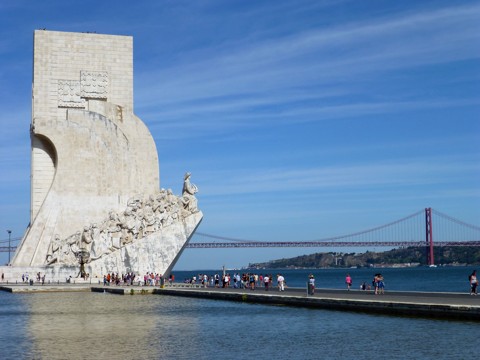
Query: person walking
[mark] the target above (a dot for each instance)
(348, 281)
(251, 279)
(473, 282)
(266, 281)
(381, 284)
(311, 284)
(281, 282)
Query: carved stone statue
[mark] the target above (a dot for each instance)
(114, 228)
(87, 238)
(53, 250)
(101, 243)
(97, 243)
(69, 249)
(188, 194)
(142, 216)
(150, 224)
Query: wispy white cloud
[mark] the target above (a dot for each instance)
(295, 113)
(394, 174)
(366, 45)
(218, 84)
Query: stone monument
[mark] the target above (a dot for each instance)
(96, 201)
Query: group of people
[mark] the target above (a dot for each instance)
(115, 279)
(240, 281)
(245, 281)
(25, 277)
(378, 284)
(149, 279)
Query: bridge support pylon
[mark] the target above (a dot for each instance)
(429, 236)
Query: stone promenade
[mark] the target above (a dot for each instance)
(461, 306)
(420, 304)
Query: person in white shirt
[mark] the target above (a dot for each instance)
(281, 282)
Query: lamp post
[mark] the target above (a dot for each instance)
(9, 234)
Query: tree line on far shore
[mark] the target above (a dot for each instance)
(409, 256)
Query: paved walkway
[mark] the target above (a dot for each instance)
(38, 288)
(424, 304)
(447, 298)
(438, 305)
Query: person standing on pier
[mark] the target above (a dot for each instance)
(281, 282)
(266, 281)
(375, 283)
(473, 282)
(348, 281)
(251, 280)
(311, 285)
(379, 284)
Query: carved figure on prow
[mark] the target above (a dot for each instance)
(129, 226)
(150, 223)
(114, 228)
(87, 238)
(69, 249)
(96, 250)
(53, 250)
(188, 194)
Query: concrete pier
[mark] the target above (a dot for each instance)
(38, 288)
(419, 304)
(459, 306)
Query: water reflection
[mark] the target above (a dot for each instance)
(100, 326)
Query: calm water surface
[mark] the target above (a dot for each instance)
(104, 326)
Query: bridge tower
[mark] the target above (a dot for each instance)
(429, 236)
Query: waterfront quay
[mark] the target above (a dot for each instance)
(420, 304)
(402, 303)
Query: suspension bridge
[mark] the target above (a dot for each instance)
(416, 230)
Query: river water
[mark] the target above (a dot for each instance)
(105, 326)
(440, 279)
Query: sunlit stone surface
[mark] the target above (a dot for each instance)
(94, 160)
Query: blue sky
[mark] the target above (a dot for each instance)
(299, 120)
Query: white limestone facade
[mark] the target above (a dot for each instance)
(90, 152)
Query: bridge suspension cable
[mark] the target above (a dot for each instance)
(333, 238)
(452, 219)
(407, 231)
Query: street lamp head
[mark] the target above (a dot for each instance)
(9, 232)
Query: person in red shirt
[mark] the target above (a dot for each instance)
(348, 281)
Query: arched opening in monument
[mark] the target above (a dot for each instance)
(43, 168)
